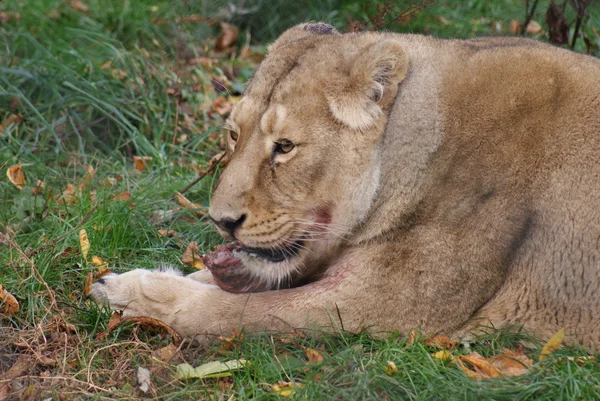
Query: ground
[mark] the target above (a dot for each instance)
(108, 108)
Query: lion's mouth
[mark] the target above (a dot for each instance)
(274, 255)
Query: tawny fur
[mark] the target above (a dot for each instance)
(459, 180)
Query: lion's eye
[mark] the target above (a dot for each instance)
(284, 146)
(233, 135)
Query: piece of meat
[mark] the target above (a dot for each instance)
(229, 272)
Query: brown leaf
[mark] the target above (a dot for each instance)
(153, 323)
(413, 335)
(15, 175)
(227, 38)
(553, 343)
(79, 5)
(313, 356)
(166, 354)
(166, 233)
(123, 196)
(141, 162)
(118, 74)
(285, 389)
(511, 363)
(481, 365)
(192, 257)
(220, 106)
(113, 322)
(106, 65)
(68, 195)
(39, 188)
(515, 26)
(472, 375)
(441, 342)
(187, 204)
(10, 120)
(8, 303)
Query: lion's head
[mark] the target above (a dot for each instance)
(302, 144)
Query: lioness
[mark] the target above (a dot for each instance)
(383, 181)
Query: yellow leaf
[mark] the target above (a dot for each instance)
(15, 175)
(553, 343)
(97, 261)
(8, 303)
(444, 355)
(191, 256)
(187, 204)
(84, 243)
(313, 355)
(481, 364)
(390, 368)
(285, 389)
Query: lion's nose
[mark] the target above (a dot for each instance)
(228, 223)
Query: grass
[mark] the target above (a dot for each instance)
(100, 85)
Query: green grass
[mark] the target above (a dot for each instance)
(96, 88)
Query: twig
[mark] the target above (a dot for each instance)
(528, 15)
(201, 176)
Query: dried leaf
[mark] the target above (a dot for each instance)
(113, 322)
(413, 335)
(68, 195)
(313, 356)
(89, 280)
(390, 368)
(209, 370)
(155, 323)
(191, 256)
(227, 38)
(15, 175)
(285, 389)
(39, 188)
(141, 162)
(511, 363)
(123, 196)
(8, 303)
(97, 261)
(515, 26)
(553, 343)
(441, 342)
(187, 204)
(106, 65)
(166, 354)
(480, 364)
(444, 355)
(118, 74)
(533, 27)
(79, 5)
(84, 243)
(220, 106)
(472, 375)
(166, 233)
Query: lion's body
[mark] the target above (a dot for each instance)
(436, 184)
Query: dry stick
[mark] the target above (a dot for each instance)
(201, 176)
(528, 15)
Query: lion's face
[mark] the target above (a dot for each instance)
(304, 165)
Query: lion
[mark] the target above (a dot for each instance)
(384, 182)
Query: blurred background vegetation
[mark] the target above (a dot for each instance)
(106, 75)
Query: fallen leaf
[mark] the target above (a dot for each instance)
(413, 335)
(187, 204)
(209, 370)
(118, 74)
(221, 106)
(106, 65)
(229, 343)
(166, 354)
(553, 343)
(286, 389)
(444, 355)
(84, 243)
(313, 356)
(97, 261)
(472, 375)
(481, 365)
(10, 120)
(144, 321)
(123, 196)
(227, 38)
(19, 368)
(8, 303)
(89, 280)
(68, 195)
(113, 322)
(79, 5)
(515, 26)
(191, 256)
(533, 27)
(15, 175)
(441, 342)
(166, 233)
(511, 363)
(390, 368)
(39, 188)
(143, 379)
(141, 162)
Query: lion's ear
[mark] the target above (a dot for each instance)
(301, 31)
(372, 85)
